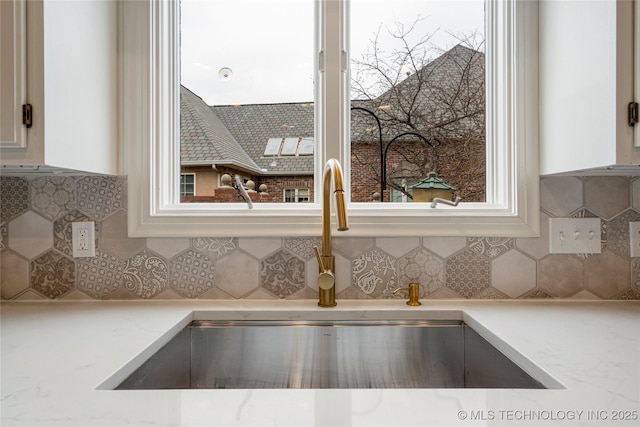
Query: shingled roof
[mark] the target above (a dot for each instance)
(253, 125)
(204, 138)
(237, 135)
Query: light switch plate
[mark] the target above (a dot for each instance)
(574, 235)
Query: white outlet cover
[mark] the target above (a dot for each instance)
(89, 227)
(574, 236)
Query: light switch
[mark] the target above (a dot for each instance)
(574, 235)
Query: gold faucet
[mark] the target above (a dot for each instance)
(326, 260)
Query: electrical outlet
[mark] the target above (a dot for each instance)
(83, 239)
(634, 238)
(574, 235)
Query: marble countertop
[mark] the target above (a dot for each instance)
(55, 356)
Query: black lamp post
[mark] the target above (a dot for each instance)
(385, 149)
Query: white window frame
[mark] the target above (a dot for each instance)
(150, 125)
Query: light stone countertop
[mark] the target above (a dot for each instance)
(55, 355)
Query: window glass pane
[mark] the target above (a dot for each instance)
(273, 147)
(290, 146)
(296, 195)
(306, 147)
(246, 86)
(187, 185)
(417, 76)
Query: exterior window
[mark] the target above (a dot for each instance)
(296, 195)
(508, 207)
(187, 184)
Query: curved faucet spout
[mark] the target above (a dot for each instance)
(332, 173)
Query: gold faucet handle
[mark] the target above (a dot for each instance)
(326, 279)
(414, 294)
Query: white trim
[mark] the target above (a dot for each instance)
(152, 97)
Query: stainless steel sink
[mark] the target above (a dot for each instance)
(321, 354)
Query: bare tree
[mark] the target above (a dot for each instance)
(418, 88)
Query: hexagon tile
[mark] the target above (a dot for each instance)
(375, 273)
(36, 213)
(99, 276)
(14, 197)
(146, 275)
(52, 196)
(53, 275)
(282, 274)
(191, 274)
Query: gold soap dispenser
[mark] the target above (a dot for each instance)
(414, 294)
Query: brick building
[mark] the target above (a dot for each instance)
(272, 144)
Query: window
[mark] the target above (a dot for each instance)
(296, 195)
(273, 147)
(187, 184)
(150, 131)
(306, 147)
(290, 146)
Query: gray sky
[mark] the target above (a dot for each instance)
(268, 44)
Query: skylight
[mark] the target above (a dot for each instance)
(290, 146)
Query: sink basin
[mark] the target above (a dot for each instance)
(327, 354)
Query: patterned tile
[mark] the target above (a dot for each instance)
(468, 273)
(490, 293)
(423, 267)
(53, 275)
(191, 274)
(14, 192)
(52, 196)
(282, 274)
(99, 276)
(617, 232)
(3, 236)
(536, 294)
(635, 274)
(63, 234)
(100, 196)
(302, 246)
(630, 295)
(491, 247)
(215, 247)
(375, 273)
(146, 275)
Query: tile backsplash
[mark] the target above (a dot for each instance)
(37, 264)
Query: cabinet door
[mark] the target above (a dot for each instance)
(586, 84)
(12, 73)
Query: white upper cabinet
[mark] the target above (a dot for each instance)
(586, 85)
(13, 89)
(70, 65)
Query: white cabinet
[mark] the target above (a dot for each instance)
(13, 90)
(71, 82)
(586, 85)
